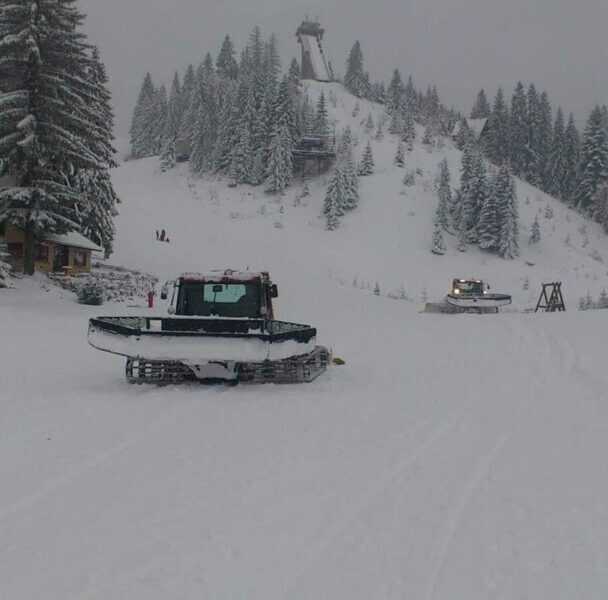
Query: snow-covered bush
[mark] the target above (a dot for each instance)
(409, 179)
(603, 300)
(91, 292)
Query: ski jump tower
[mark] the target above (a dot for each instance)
(314, 64)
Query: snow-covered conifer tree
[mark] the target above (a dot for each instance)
(508, 245)
(97, 207)
(356, 80)
(395, 94)
(488, 228)
(543, 140)
(187, 118)
(167, 156)
(496, 140)
(142, 122)
(369, 123)
(408, 133)
(366, 167)
(600, 205)
(603, 299)
(334, 200)
(557, 166)
(227, 66)
(284, 110)
(48, 116)
(444, 194)
(428, 138)
(321, 124)
(594, 160)
(400, 155)
(473, 191)
(294, 72)
(519, 130)
(350, 199)
(174, 116)
(396, 123)
(438, 245)
(161, 111)
(481, 108)
(280, 164)
(572, 158)
(535, 231)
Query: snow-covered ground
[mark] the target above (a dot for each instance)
(451, 457)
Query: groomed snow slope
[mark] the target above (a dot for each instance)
(451, 457)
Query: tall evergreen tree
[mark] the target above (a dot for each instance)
(395, 93)
(535, 231)
(98, 200)
(334, 199)
(508, 245)
(594, 160)
(351, 183)
(600, 202)
(294, 72)
(174, 108)
(533, 158)
(572, 157)
(438, 245)
(444, 194)
(280, 165)
(226, 65)
(142, 123)
(186, 116)
(400, 155)
(408, 133)
(481, 108)
(366, 166)
(557, 168)
(204, 108)
(161, 113)
(496, 141)
(285, 111)
(47, 111)
(356, 80)
(489, 224)
(519, 131)
(321, 123)
(97, 207)
(544, 139)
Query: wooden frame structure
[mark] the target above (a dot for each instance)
(551, 298)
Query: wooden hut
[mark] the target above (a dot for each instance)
(69, 253)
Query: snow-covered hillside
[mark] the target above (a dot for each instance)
(451, 457)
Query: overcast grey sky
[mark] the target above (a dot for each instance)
(461, 45)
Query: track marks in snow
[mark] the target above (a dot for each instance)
(458, 510)
(375, 489)
(94, 462)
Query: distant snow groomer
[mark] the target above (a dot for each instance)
(223, 330)
(469, 296)
(473, 296)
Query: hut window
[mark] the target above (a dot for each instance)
(42, 253)
(15, 250)
(80, 258)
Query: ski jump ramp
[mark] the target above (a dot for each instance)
(311, 48)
